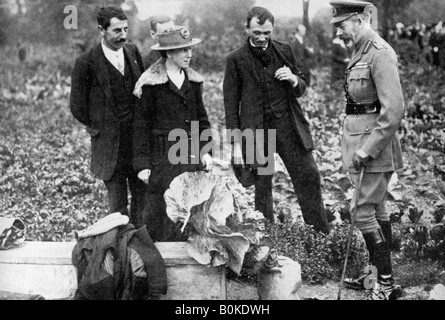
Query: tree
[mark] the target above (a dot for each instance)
(426, 11)
(214, 16)
(388, 11)
(306, 15)
(4, 22)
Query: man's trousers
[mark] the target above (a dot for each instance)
(303, 171)
(125, 178)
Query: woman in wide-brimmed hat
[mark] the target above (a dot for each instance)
(170, 95)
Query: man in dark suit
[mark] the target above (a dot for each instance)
(102, 99)
(261, 85)
(158, 24)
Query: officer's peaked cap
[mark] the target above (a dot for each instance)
(343, 10)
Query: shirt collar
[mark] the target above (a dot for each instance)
(251, 43)
(108, 52)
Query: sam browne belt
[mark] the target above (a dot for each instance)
(363, 108)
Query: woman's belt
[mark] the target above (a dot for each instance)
(363, 108)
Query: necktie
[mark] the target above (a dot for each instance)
(120, 65)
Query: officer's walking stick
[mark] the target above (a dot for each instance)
(351, 230)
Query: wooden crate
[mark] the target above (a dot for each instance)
(45, 268)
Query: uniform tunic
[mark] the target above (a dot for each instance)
(372, 75)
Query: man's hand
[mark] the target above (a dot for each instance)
(237, 154)
(285, 74)
(144, 175)
(207, 162)
(360, 159)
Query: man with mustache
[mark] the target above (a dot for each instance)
(374, 111)
(261, 85)
(101, 98)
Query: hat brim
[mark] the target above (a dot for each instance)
(179, 46)
(340, 18)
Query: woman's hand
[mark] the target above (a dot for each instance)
(207, 162)
(144, 175)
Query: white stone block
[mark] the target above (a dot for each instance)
(45, 268)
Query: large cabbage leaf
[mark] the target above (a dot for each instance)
(223, 226)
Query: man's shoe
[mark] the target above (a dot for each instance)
(384, 290)
(356, 283)
(390, 290)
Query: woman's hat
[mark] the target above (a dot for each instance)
(175, 38)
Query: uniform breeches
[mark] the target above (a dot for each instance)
(371, 202)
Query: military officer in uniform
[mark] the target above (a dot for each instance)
(374, 111)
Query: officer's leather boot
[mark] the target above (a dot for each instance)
(371, 240)
(359, 283)
(387, 232)
(382, 288)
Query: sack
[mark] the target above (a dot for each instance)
(280, 281)
(12, 233)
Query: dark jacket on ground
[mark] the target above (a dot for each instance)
(129, 280)
(92, 102)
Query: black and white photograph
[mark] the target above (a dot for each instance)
(221, 156)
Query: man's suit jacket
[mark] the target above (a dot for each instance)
(92, 103)
(244, 98)
(148, 59)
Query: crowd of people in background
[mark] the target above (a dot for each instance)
(429, 38)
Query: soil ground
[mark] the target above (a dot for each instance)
(237, 290)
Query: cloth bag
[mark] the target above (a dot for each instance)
(280, 279)
(12, 233)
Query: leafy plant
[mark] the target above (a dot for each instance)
(321, 257)
(438, 214)
(422, 242)
(414, 214)
(224, 230)
(396, 216)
